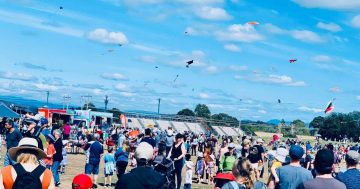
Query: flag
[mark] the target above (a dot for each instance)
(329, 107)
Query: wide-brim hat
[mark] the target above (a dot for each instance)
(281, 154)
(28, 144)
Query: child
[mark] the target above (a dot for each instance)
(64, 162)
(50, 151)
(280, 157)
(189, 165)
(200, 167)
(211, 169)
(187, 146)
(109, 167)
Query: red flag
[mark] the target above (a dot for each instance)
(329, 107)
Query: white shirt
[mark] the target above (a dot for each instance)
(188, 177)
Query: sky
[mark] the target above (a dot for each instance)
(135, 51)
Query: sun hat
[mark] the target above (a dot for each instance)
(281, 154)
(144, 151)
(82, 181)
(29, 145)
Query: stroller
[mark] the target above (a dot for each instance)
(166, 168)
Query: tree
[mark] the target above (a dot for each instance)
(300, 127)
(317, 122)
(186, 112)
(226, 118)
(116, 112)
(90, 105)
(202, 110)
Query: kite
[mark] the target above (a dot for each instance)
(253, 23)
(292, 60)
(279, 101)
(329, 107)
(176, 78)
(189, 63)
(119, 44)
(61, 8)
(156, 67)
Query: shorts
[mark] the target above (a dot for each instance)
(91, 169)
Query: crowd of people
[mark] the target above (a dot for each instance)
(36, 153)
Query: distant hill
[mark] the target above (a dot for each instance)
(28, 104)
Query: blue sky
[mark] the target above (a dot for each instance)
(240, 69)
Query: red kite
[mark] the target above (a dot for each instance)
(253, 23)
(329, 107)
(292, 60)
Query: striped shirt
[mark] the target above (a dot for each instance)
(351, 178)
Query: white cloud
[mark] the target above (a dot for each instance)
(104, 36)
(212, 13)
(308, 109)
(113, 76)
(321, 58)
(98, 92)
(145, 58)
(203, 2)
(262, 111)
(215, 106)
(239, 33)
(273, 79)
(335, 89)
(212, 69)
(17, 76)
(356, 21)
(358, 97)
(274, 29)
(232, 47)
(238, 68)
(45, 87)
(120, 87)
(329, 26)
(329, 4)
(191, 31)
(127, 94)
(306, 36)
(204, 96)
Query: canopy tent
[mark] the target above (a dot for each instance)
(7, 112)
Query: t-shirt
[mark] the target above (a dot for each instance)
(94, 152)
(308, 159)
(12, 139)
(260, 151)
(351, 178)
(188, 177)
(49, 151)
(292, 177)
(67, 129)
(321, 183)
(149, 140)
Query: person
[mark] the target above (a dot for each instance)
(308, 160)
(57, 157)
(147, 138)
(67, 130)
(34, 131)
(13, 136)
(210, 168)
(64, 161)
(177, 155)
(122, 158)
(293, 175)
(228, 159)
(50, 151)
(194, 144)
(280, 158)
(351, 177)
(122, 138)
(200, 167)
(188, 176)
(109, 167)
(143, 176)
(323, 165)
(94, 150)
(244, 175)
(261, 154)
(82, 181)
(169, 140)
(27, 173)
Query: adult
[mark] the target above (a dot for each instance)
(27, 173)
(94, 150)
(122, 138)
(244, 174)
(245, 150)
(67, 130)
(177, 154)
(194, 144)
(293, 175)
(122, 158)
(323, 165)
(58, 157)
(351, 177)
(143, 176)
(13, 136)
(261, 155)
(169, 140)
(147, 138)
(34, 131)
(228, 159)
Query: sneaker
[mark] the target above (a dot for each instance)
(94, 186)
(57, 184)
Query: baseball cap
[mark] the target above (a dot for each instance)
(352, 157)
(144, 151)
(296, 152)
(82, 181)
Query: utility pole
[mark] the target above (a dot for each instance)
(106, 102)
(47, 98)
(159, 99)
(67, 99)
(87, 99)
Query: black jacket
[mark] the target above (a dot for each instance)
(58, 147)
(141, 178)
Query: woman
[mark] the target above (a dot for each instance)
(228, 159)
(245, 148)
(178, 153)
(122, 158)
(244, 174)
(27, 155)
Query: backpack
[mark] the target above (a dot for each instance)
(26, 180)
(166, 169)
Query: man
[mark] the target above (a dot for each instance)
(94, 150)
(228, 159)
(261, 155)
(351, 178)
(169, 140)
(143, 176)
(13, 136)
(293, 175)
(33, 131)
(147, 138)
(323, 165)
(57, 156)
